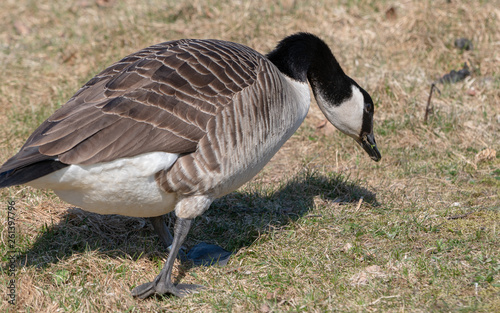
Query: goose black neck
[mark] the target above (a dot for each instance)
(303, 57)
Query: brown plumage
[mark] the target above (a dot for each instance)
(164, 96)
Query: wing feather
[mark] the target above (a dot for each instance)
(158, 99)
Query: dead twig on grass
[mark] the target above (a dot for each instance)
(359, 204)
(456, 217)
(382, 298)
(429, 108)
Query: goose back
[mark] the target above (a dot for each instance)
(158, 99)
(223, 107)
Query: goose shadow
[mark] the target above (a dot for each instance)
(232, 222)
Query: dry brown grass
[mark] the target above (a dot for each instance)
(424, 237)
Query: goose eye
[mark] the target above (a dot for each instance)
(368, 107)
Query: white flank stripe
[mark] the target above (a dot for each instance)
(125, 186)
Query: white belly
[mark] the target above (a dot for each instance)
(125, 186)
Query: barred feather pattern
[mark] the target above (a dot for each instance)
(240, 140)
(223, 107)
(158, 99)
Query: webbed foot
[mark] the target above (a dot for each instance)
(159, 288)
(162, 284)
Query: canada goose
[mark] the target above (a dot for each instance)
(178, 124)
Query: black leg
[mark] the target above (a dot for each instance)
(162, 284)
(162, 230)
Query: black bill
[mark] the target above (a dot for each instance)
(368, 143)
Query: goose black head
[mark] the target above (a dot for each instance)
(346, 105)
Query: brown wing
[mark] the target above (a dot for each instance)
(158, 99)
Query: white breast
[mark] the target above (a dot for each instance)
(291, 115)
(124, 186)
(302, 100)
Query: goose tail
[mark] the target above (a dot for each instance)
(25, 174)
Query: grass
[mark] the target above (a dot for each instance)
(322, 227)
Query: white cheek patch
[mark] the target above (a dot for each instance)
(348, 116)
